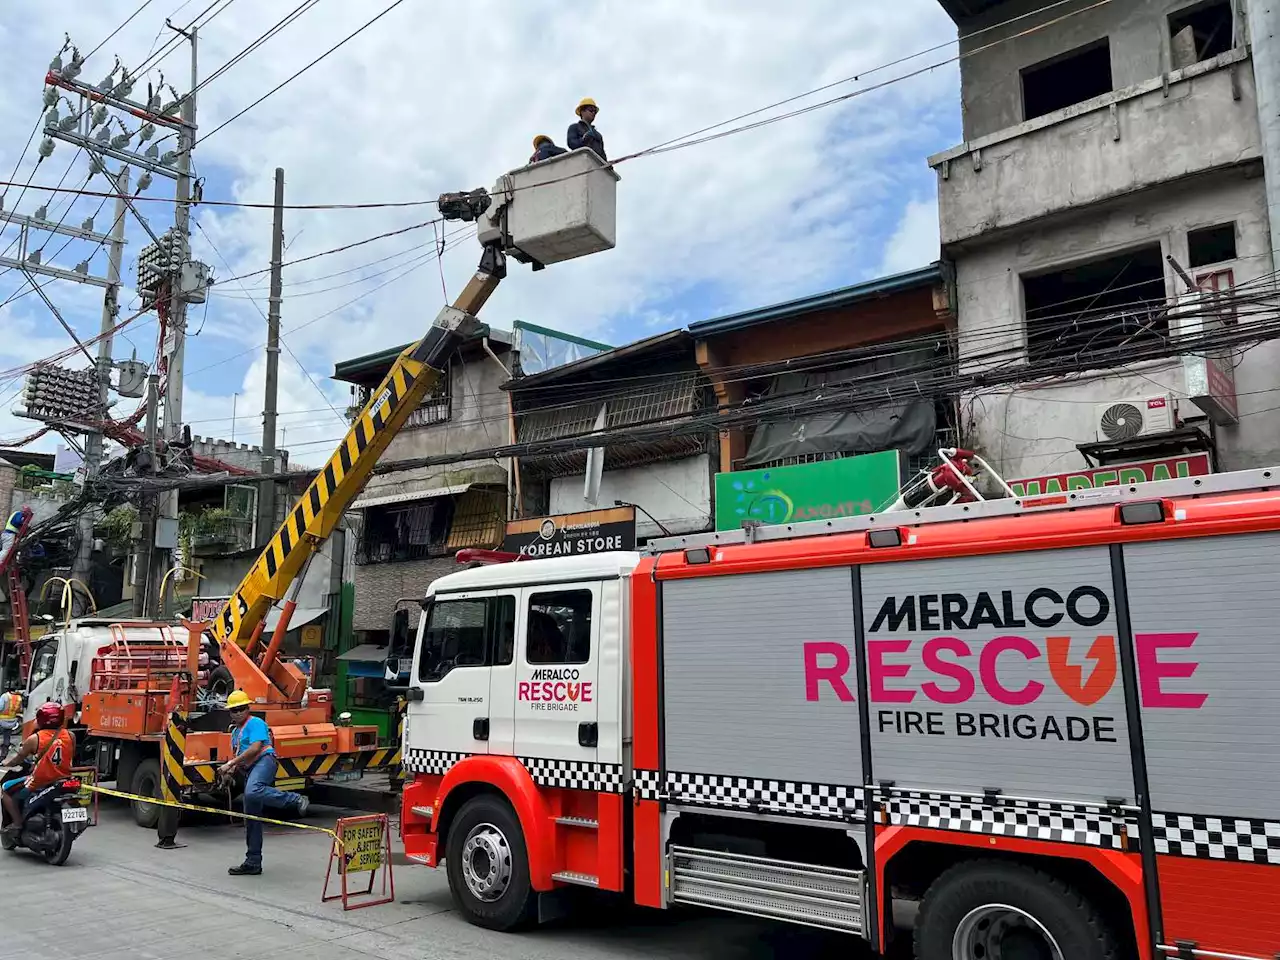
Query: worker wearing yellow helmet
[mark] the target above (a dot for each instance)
(255, 757)
(584, 133)
(544, 148)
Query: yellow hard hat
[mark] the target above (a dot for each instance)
(539, 138)
(238, 698)
(586, 102)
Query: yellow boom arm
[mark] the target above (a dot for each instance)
(316, 514)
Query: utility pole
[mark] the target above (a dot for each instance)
(175, 348)
(93, 443)
(267, 492)
(144, 547)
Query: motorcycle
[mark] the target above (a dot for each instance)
(52, 818)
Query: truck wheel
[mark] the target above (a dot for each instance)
(488, 866)
(146, 783)
(1005, 911)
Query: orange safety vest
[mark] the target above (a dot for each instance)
(55, 761)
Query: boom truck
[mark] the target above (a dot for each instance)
(1048, 721)
(149, 697)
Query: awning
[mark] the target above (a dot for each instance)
(301, 617)
(428, 494)
(366, 653)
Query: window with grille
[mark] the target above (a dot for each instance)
(412, 531)
(436, 406)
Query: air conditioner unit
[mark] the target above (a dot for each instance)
(1132, 417)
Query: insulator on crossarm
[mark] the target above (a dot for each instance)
(46, 148)
(144, 181)
(146, 132)
(42, 212)
(50, 96)
(98, 117)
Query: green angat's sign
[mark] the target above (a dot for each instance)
(848, 487)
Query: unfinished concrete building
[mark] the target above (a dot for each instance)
(1100, 141)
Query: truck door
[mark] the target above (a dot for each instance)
(44, 678)
(452, 672)
(556, 710)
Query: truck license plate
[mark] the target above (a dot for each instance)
(75, 815)
(343, 776)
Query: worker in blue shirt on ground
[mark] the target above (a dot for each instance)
(254, 755)
(544, 148)
(583, 133)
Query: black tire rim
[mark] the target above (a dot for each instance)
(997, 931)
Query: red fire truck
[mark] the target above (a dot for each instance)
(1052, 721)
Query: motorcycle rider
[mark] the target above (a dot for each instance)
(54, 750)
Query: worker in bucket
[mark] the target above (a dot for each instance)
(9, 536)
(253, 755)
(544, 148)
(584, 133)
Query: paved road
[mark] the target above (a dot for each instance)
(117, 898)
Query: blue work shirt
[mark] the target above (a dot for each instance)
(255, 730)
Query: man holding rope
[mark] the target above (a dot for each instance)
(256, 758)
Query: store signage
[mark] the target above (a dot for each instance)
(207, 608)
(848, 487)
(1211, 385)
(1188, 465)
(573, 534)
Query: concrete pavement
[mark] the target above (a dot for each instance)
(119, 899)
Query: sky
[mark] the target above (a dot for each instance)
(437, 97)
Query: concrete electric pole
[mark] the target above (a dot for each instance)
(94, 441)
(267, 492)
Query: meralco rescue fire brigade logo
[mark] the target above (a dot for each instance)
(555, 689)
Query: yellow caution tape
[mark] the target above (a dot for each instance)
(214, 810)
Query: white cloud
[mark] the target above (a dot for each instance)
(915, 242)
(445, 96)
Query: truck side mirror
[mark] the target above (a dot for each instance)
(400, 643)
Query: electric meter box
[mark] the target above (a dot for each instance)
(558, 209)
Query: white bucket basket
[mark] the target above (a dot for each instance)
(556, 210)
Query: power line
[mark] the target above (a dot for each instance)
(299, 73)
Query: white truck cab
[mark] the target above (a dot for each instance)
(524, 659)
(62, 660)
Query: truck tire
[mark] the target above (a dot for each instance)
(992, 909)
(488, 865)
(146, 783)
(221, 681)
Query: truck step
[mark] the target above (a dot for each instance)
(581, 879)
(827, 897)
(586, 823)
(425, 812)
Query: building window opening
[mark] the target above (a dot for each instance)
(1096, 307)
(1074, 77)
(405, 532)
(1200, 32)
(1211, 245)
(437, 405)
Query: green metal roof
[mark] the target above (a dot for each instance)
(923, 278)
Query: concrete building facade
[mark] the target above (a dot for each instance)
(409, 523)
(1109, 151)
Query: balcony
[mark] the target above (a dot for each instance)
(1190, 121)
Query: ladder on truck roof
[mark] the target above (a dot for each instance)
(1235, 482)
(18, 612)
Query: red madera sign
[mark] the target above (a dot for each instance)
(1189, 465)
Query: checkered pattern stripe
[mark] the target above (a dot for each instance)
(565, 774)
(647, 783)
(1238, 839)
(575, 774)
(823, 800)
(1094, 826)
(431, 762)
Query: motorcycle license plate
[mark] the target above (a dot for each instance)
(75, 815)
